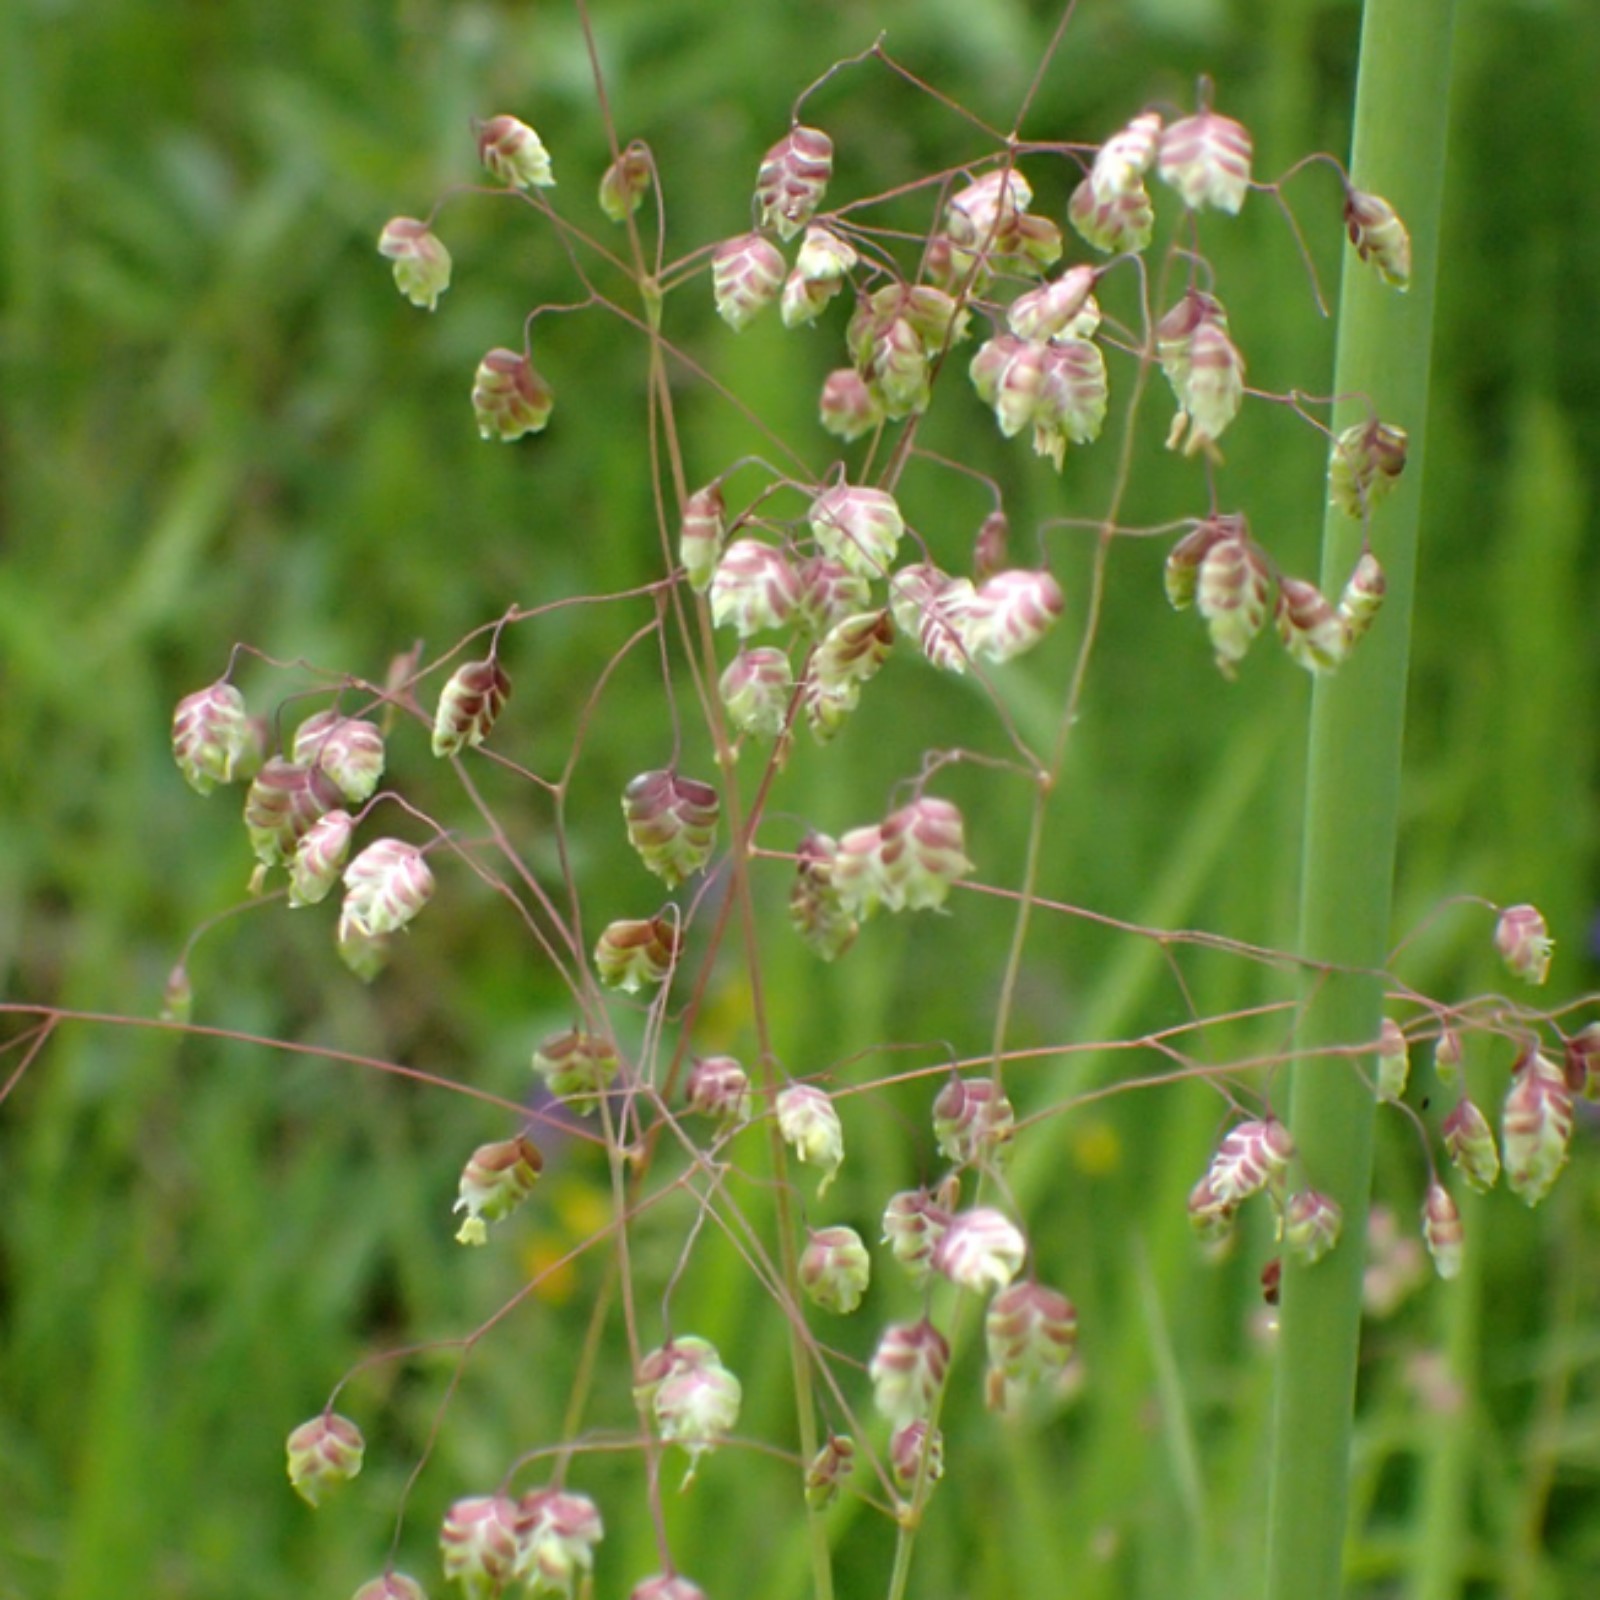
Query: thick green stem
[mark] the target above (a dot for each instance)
(1352, 798)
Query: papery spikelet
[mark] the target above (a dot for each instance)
(854, 649)
(576, 1065)
(1394, 1061)
(746, 277)
(324, 1452)
(1232, 596)
(898, 368)
(1206, 158)
(210, 736)
(1364, 464)
(755, 688)
(626, 182)
(921, 854)
(672, 823)
(348, 749)
(1379, 236)
(1582, 1052)
(719, 1088)
(1030, 1333)
(1470, 1141)
(510, 397)
(1535, 1127)
(512, 152)
(1212, 1214)
(982, 1250)
(696, 1405)
(815, 910)
(1062, 308)
(858, 526)
(754, 587)
(391, 1586)
(907, 1370)
(1182, 573)
(804, 299)
(318, 858)
(1252, 1156)
(828, 706)
(939, 612)
(824, 257)
(1447, 1057)
(987, 214)
(284, 802)
(1013, 613)
(1362, 597)
(1312, 631)
(1312, 1223)
(480, 1541)
(630, 953)
(559, 1532)
(857, 870)
(828, 1469)
(1122, 161)
(811, 1128)
(972, 1119)
(916, 1453)
(1070, 403)
(1524, 943)
(1442, 1231)
(469, 705)
(700, 535)
(1212, 392)
(848, 406)
(496, 1180)
(793, 178)
(1039, 243)
(835, 1269)
(1121, 225)
(828, 592)
(1008, 373)
(913, 1224)
(421, 262)
(385, 887)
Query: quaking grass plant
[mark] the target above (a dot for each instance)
(793, 591)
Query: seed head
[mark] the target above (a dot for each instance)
(1122, 225)
(913, 1224)
(793, 178)
(1312, 1223)
(1470, 1142)
(746, 277)
(391, 1586)
(909, 1447)
(857, 526)
(1364, 464)
(1535, 1127)
(385, 887)
(849, 406)
(1582, 1053)
(907, 1370)
(1252, 1156)
(1394, 1061)
(835, 1269)
(754, 587)
(1064, 308)
(672, 823)
(1030, 1332)
(1362, 597)
(1231, 594)
(421, 262)
(1206, 158)
(853, 649)
(1312, 632)
(509, 396)
(495, 1181)
(1442, 1231)
(469, 706)
(1447, 1057)
(512, 152)
(719, 1088)
(756, 688)
(559, 1530)
(1379, 236)
(1122, 161)
(577, 1066)
(634, 952)
(816, 911)
(982, 1250)
(972, 1120)
(1524, 943)
(829, 1467)
(211, 736)
(663, 1587)
(348, 749)
(1013, 612)
(811, 1127)
(318, 858)
(284, 801)
(324, 1452)
(626, 182)
(481, 1541)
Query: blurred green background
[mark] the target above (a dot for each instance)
(221, 424)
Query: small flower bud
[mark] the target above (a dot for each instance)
(559, 1531)
(495, 1181)
(1535, 1127)
(1252, 1156)
(913, 1225)
(469, 706)
(385, 887)
(1379, 236)
(1206, 158)
(1362, 598)
(626, 182)
(811, 1127)
(1524, 943)
(1394, 1061)
(210, 736)
(348, 749)
(1442, 1231)
(324, 1452)
(909, 1448)
(421, 262)
(1311, 1225)
(1447, 1057)
(1364, 465)
(746, 277)
(972, 1119)
(1312, 632)
(907, 1370)
(981, 1250)
(1122, 161)
(816, 911)
(835, 1269)
(1232, 596)
(848, 406)
(921, 854)
(481, 1540)
(990, 547)
(793, 177)
(672, 823)
(754, 588)
(510, 397)
(284, 801)
(1030, 1333)
(756, 689)
(1470, 1142)
(577, 1066)
(829, 1467)
(1122, 225)
(177, 996)
(391, 1586)
(719, 1088)
(318, 858)
(701, 534)
(860, 527)
(512, 152)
